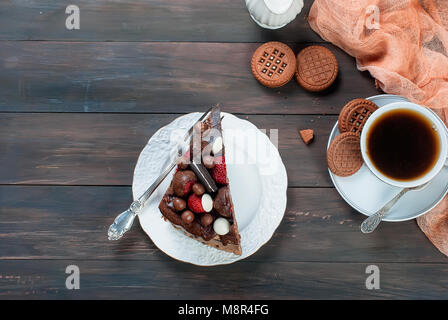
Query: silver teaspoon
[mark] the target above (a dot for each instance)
(370, 224)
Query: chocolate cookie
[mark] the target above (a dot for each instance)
(344, 154)
(273, 64)
(317, 68)
(307, 135)
(354, 115)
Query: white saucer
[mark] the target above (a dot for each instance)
(258, 185)
(367, 194)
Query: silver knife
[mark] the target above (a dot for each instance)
(123, 222)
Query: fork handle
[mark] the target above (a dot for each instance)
(123, 222)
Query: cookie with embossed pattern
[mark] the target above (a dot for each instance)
(273, 64)
(317, 68)
(344, 156)
(354, 115)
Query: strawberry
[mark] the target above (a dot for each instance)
(219, 172)
(195, 203)
(188, 186)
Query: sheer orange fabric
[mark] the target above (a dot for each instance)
(404, 46)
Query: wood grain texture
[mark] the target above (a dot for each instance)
(142, 20)
(158, 78)
(76, 110)
(243, 280)
(102, 149)
(71, 223)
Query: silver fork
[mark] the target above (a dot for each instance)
(123, 222)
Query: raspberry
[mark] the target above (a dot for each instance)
(219, 172)
(195, 203)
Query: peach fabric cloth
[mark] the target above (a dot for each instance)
(407, 55)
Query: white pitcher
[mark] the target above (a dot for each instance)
(274, 14)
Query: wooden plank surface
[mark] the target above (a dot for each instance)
(160, 78)
(77, 107)
(102, 149)
(71, 223)
(142, 20)
(43, 279)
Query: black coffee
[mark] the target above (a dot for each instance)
(403, 145)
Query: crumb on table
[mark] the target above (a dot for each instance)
(307, 135)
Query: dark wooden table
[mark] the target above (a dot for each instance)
(78, 106)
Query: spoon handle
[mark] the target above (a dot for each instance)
(374, 220)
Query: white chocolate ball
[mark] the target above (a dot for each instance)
(217, 145)
(207, 202)
(221, 226)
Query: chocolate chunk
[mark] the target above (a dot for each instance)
(204, 177)
(183, 181)
(187, 216)
(206, 219)
(179, 204)
(307, 135)
(222, 202)
(198, 189)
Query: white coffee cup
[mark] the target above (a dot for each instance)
(438, 126)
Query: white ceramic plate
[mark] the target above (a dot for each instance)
(258, 184)
(367, 194)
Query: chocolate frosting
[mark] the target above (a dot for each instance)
(184, 179)
(231, 237)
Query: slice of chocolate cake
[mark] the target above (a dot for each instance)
(198, 200)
